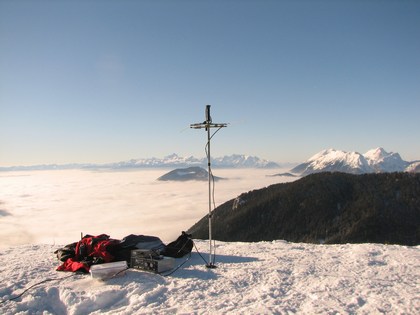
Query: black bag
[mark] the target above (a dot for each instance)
(143, 242)
(180, 247)
(132, 241)
(66, 252)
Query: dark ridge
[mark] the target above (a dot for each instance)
(331, 208)
(283, 175)
(185, 174)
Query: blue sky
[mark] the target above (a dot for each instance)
(105, 81)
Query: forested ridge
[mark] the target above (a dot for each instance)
(323, 208)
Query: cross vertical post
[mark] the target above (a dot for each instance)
(207, 125)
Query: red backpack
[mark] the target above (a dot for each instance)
(90, 250)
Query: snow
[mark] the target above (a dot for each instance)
(331, 158)
(376, 154)
(173, 160)
(41, 211)
(250, 278)
(384, 161)
(414, 167)
(375, 160)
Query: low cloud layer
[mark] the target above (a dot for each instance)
(55, 207)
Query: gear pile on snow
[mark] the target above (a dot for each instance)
(92, 250)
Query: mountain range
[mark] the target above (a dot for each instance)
(373, 161)
(173, 160)
(331, 160)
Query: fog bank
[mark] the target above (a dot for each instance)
(55, 207)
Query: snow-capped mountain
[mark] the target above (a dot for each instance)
(332, 160)
(240, 160)
(383, 161)
(373, 161)
(414, 167)
(173, 160)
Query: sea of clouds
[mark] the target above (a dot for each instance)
(55, 207)
(42, 210)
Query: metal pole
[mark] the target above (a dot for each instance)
(207, 124)
(211, 260)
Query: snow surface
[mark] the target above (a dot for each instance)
(42, 210)
(251, 278)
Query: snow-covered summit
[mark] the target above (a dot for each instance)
(240, 160)
(373, 161)
(332, 160)
(383, 161)
(414, 167)
(376, 154)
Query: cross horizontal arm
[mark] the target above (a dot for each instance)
(206, 125)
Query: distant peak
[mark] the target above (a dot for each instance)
(322, 153)
(332, 160)
(172, 156)
(376, 154)
(378, 150)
